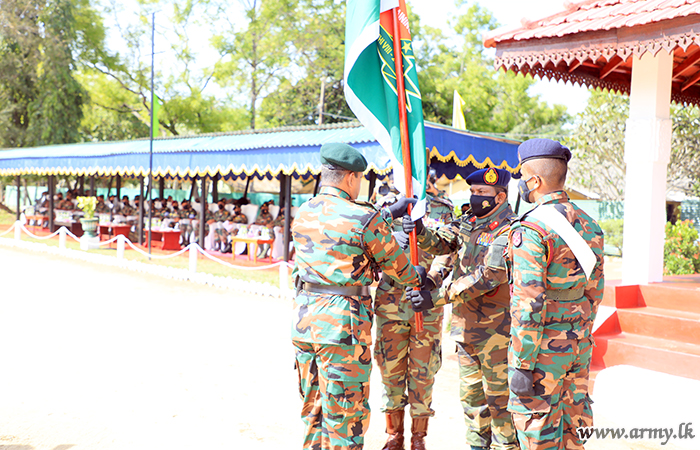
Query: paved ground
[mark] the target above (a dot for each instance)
(97, 358)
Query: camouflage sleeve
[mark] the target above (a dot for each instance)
(390, 258)
(528, 298)
(485, 277)
(442, 241)
(594, 288)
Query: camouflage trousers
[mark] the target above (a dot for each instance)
(548, 420)
(334, 386)
(483, 390)
(408, 361)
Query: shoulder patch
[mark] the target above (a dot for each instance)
(517, 238)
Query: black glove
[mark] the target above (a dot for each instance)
(420, 300)
(401, 239)
(422, 274)
(400, 208)
(521, 382)
(409, 225)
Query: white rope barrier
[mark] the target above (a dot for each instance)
(9, 229)
(41, 238)
(138, 250)
(169, 272)
(222, 262)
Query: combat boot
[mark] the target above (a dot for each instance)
(419, 428)
(394, 428)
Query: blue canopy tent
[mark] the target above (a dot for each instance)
(258, 153)
(283, 154)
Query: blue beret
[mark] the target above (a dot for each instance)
(344, 156)
(490, 177)
(543, 148)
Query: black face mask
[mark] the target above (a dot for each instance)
(482, 204)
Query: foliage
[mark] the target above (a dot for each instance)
(681, 249)
(88, 205)
(613, 230)
(598, 144)
(495, 102)
(253, 57)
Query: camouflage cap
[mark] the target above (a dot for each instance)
(344, 156)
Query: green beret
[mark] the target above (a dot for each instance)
(344, 156)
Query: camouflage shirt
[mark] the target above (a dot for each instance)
(540, 259)
(220, 216)
(239, 218)
(390, 301)
(478, 288)
(337, 241)
(264, 219)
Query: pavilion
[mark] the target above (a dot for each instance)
(284, 154)
(649, 49)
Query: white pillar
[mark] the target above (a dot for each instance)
(18, 230)
(647, 153)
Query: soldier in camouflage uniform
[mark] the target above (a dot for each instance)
(101, 207)
(265, 219)
(340, 246)
(237, 215)
(556, 255)
(481, 302)
(126, 209)
(220, 234)
(67, 203)
(185, 217)
(408, 360)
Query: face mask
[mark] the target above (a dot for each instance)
(482, 205)
(524, 190)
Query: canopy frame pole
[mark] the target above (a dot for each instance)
(203, 212)
(52, 192)
(193, 188)
(406, 150)
(247, 185)
(372, 183)
(215, 188)
(139, 228)
(119, 187)
(287, 216)
(161, 188)
(19, 185)
(93, 192)
(317, 186)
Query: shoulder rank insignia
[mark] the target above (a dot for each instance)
(472, 219)
(517, 238)
(493, 225)
(484, 239)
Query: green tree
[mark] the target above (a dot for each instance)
(496, 102)
(597, 143)
(254, 57)
(317, 31)
(598, 146)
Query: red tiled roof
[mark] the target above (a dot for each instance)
(596, 15)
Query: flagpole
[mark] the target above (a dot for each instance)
(150, 150)
(405, 148)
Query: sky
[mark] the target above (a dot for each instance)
(509, 13)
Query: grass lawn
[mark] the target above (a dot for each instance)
(204, 265)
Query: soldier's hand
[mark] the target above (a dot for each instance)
(401, 239)
(409, 225)
(521, 382)
(422, 275)
(400, 208)
(420, 300)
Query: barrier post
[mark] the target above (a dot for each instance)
(193, 258)
(120, 246)
(284, 279)
(18, 230)
(62, 238)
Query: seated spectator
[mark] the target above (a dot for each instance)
(237, 216)
(101, 207)
(127, 209)
(67, 203)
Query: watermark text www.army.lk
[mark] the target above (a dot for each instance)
(682, 431)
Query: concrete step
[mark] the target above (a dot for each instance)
(661, 323)
(653, 353)
(664, 296)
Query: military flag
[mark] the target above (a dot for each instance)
(458, 112)
(372, 87)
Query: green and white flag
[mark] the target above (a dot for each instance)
(371, 91)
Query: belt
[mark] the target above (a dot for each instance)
(564, 294)
(348, 291)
